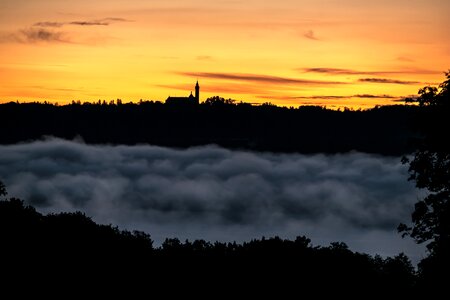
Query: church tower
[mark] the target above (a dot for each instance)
(197, 93)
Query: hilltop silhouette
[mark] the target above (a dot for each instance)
(68, 245)
(307, 129)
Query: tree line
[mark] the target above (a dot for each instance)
(306, 129)
(65, 244)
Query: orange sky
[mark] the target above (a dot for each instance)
(290, 52)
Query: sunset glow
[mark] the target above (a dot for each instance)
(335, 53)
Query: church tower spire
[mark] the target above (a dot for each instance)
(197, 93)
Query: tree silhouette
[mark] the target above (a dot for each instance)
(219, 101)
(71, 247)
(430, 169)
(2, 189)
(220, 121)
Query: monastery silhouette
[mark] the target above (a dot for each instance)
(191, 99)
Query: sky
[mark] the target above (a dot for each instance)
(334, 53)
(215, 194)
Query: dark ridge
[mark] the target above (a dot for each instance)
(68, 246)
(308, 129)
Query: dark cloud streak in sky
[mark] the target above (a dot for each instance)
(374, 96)
(115, 19)
(32, 35)
(49, 24)
(99, 22)
(310, 35)
(387, 80)
(259, 78)
(47, 31)
(216, 88)
(363, 96)
(337, 71)
(89, 23)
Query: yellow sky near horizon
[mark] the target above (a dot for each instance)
(334, 53)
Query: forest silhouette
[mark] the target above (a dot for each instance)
(308, 129)
(66, 244)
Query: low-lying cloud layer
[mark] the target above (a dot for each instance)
(217, 194)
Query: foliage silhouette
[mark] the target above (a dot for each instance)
(220, 121)
(2, 189)
(68, 244)
(430, 169)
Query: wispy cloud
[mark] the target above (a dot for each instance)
(259, 78)
(204, 57)
(386, 80)
(321, 97)
(310, 35)
(47, 31)
(374, 96)
(55, 89)
(49, 24)
(337, 71)
(328, 97)
(115, 19)
(33, 35)
(99, 22)
(216, 88)
(361, 96)
(43, 35)
(89, 23)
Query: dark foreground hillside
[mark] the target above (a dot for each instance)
(383, 130)
(70, 248)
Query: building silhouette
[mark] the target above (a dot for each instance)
(191, 99)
